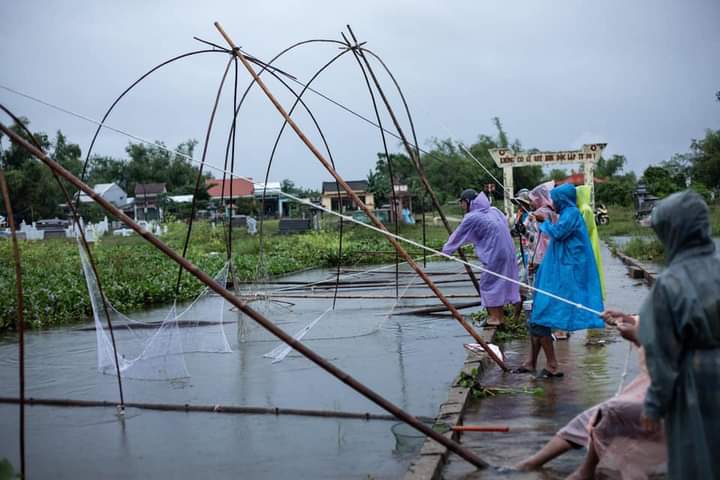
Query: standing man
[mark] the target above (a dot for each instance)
(680, 331)
(486, 228)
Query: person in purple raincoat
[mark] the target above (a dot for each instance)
(487, 229)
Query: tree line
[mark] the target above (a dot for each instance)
(450, 170)
(35, 194)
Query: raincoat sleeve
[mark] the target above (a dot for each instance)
(462, 235)
(662, 351)
(564, 227)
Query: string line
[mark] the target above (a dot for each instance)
(312, 205)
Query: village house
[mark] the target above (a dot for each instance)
(230, 193)
(108, 191)
(270, 201)
(147, 201)
(332, 199)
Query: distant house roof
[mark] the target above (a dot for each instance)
(240, 188)
(579, 179)
(99, 188)
(149, 189)
(270, 188)
(356, 185)
(181, 198)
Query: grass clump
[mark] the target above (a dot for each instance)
(647, 249)
(511, 328)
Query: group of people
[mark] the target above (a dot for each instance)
(557, 250)
(670, 413)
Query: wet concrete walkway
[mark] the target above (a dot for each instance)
(592, 374)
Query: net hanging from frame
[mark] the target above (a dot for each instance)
(156, 350)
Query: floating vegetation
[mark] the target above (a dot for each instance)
(478, 391)
(135, 275)
(511, 328)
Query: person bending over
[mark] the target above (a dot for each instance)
(486, 228)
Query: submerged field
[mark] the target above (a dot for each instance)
(642, 244)
(135, 275)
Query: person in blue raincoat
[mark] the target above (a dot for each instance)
(568, 270)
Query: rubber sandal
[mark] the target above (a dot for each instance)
(547, 374)
(522, 370)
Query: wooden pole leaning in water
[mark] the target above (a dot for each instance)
(243, 307)
(217, 408)
(378, 224)
(20, 316)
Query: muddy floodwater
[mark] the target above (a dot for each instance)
(411, 360)
(592, 363)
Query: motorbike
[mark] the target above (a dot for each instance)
(601, 215)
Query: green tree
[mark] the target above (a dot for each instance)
(450, 170)
(558, 174)
(660, 181)
(288, 186)
(706, 160)
(610, 167)
(619, 187)
(34, 192)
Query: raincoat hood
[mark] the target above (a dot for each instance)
(540, 197)
(480, 203)
(563, 196)
(682, 222)
(583, 196)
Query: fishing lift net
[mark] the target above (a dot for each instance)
(155, 350)
(366, 301)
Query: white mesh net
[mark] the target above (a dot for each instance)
(155, 350)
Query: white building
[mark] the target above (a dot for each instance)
(110, 192)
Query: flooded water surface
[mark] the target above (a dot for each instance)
(410, 360)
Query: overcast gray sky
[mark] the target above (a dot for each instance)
(639, 75)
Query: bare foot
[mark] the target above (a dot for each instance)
(524, 466)
(581, 474)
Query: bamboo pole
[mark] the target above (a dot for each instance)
(358, 297)
(436, 309)
(186, 407)
(259, 318)
(378, 224)
(415, 159)
(20, 316)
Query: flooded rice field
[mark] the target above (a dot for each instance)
(409, 359)
(592, 362)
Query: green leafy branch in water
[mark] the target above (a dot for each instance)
(510, 329)
(470, 380)
(485, 392)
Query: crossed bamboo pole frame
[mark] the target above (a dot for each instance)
(243, 307)
(264, 322)
(378, 224)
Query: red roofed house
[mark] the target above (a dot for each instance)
(231, 191)
(579, 179)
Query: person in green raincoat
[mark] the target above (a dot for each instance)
(583, 204)
(680, 331)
